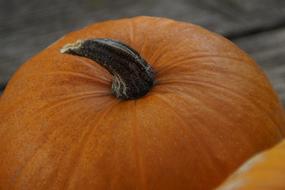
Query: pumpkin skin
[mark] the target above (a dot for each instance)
(210, 109)
(262, 172)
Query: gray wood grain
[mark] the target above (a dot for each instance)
(27, 27)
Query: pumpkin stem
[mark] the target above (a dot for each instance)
(133, 77)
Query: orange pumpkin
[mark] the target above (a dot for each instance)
(189, 108)
(265, 171)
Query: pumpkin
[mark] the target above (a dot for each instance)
(262, 172)
(139, 103)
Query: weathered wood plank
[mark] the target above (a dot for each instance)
(268, 49)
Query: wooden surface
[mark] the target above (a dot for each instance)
(257, 26)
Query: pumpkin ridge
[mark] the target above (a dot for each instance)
(252, 104)
(240, 77)
(189, 99)
(187, 60)
(71, 99)
(77, 157)
(31, 158)
(235, 93)
(143, 46)
(87, 136)
(139, 160)
(131, 30)
(203, 144)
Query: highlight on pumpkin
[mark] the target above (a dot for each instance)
(189, 108)
(264, 171)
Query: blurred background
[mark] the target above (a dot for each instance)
(257, 26)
